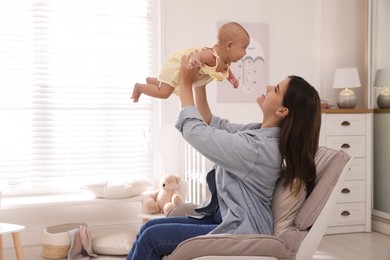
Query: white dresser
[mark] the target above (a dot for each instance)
(351, 131)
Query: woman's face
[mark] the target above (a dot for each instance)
(271, 100)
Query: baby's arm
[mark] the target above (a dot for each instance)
(232, 79)
(198, 58)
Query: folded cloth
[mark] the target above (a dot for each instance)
(81, 244)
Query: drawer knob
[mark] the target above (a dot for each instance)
(345, 191)
(345, 146)
(345, 213)
(345, 123)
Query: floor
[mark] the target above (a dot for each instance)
(359, 246)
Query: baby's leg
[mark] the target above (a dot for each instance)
(153, 90)
(151, 80)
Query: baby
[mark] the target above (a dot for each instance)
(213, 63)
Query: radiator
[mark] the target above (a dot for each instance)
(194, 175)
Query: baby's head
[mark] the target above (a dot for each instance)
(233, 39)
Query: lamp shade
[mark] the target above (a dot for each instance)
(346, 78)
(382, 78)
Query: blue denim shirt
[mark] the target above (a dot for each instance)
(247, 165)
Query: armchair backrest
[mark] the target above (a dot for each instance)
(316, 212)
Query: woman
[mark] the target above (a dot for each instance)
(248, 161)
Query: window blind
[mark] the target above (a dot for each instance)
(67, 68)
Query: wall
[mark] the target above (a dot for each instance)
(344, 44)
(307, 38)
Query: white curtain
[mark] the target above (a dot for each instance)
(67, 68)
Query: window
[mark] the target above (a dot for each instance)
(67, 68)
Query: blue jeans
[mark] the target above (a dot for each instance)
(159, 237)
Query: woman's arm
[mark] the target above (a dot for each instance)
(187, 77)
(234, 152)
(202, 104)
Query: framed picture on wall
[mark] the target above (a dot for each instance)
(251, 70)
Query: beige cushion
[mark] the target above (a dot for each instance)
(324, 186)
(285, 206)
(231, 245)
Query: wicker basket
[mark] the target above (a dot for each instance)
(56, 240)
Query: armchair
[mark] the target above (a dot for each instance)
(304, 220)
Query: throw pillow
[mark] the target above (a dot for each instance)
(113, 242)
(118, 190)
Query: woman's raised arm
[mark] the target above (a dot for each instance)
(187, 77)
(202, 104)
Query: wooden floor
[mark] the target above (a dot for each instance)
(359, 246)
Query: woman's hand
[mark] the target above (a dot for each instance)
(188, 73)
(195, 60)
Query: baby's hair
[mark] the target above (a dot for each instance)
(230, 31)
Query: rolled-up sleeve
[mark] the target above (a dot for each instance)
(187, 113)
(218, 141)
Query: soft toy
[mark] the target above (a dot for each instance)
(164, 199)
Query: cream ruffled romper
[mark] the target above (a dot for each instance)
(169, 72)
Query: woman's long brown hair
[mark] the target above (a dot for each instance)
(300, 131)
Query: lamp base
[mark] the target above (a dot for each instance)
(346, 99)
(383, 99)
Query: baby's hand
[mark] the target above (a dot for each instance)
(234, 82)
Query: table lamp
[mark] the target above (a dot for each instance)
(382, 80)
(346, 78)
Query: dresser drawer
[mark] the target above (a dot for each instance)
(352, 191)
(353, 145)
(348, 214)
(352, 124)
(357, 169)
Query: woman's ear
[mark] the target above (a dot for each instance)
(282, 112)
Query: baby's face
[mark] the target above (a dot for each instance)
(238, 48)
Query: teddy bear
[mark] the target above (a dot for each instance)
(164, 199)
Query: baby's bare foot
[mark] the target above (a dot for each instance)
(136, 93)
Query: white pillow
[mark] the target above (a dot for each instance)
(113, 242)
(118, 190)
